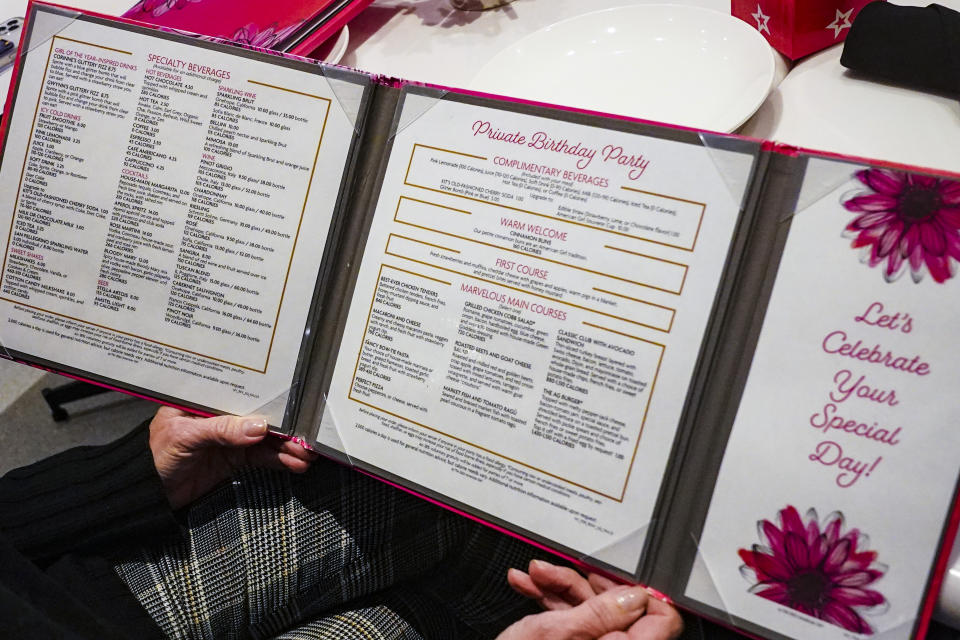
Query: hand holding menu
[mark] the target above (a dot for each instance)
(599, 334)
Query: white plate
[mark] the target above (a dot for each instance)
(338, 46)
(671, 63)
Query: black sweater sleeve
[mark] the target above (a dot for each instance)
(60, 519)
(86, 499)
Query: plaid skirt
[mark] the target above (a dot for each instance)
(327, 554)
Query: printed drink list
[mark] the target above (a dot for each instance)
(167, 196)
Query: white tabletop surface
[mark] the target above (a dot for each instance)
(816, 104)
(821, 105)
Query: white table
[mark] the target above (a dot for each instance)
(816, 104)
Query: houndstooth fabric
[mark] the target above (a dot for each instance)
(371, 622)
(330, 554)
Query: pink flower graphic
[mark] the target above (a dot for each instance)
(907, 219)
(267, 38)
(159, 7)
(819, 572)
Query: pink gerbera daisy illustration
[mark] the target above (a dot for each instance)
(822, 572)
(263, 37)
(159, 7)
(907, 219)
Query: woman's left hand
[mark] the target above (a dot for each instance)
(193, 455)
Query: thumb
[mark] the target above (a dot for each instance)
(229, 431)
(612, 610)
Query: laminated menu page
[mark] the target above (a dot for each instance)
(529, 311)
(695, 361)
(166, 207)
(841, 468)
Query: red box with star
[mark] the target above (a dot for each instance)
(797, 28)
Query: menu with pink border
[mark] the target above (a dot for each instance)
(589, 331)
(842, 464)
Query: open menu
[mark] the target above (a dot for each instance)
(694, 361)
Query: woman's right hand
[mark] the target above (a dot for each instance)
(592, 608)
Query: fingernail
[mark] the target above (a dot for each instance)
(659, 596)
(254, 426)
(631, 600)
(539, 565)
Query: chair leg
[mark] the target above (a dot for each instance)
(68, 392)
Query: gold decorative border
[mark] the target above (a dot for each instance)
(636, 445)
(396, 218)
(702, 205)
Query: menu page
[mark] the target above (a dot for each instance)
(855, 448)
(165, 209)
(528, 314)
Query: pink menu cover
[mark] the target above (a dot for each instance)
(251, 22)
